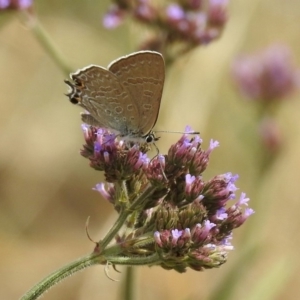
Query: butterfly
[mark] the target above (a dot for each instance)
(125, 97)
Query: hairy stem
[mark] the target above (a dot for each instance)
(62, 273)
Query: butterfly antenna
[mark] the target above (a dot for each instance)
(180, 132)
(157, 151)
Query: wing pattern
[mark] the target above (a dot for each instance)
(125, 97)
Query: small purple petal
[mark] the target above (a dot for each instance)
(175, 12)
(100, 187)
(248, 212)
(231, 187)
(208, 225)
(25, 3)
(113, 18)
(97, 147)
(243, 200)
(144, 158)
(189, 179)
(176, 233)
(232, 178)
(4, 3)
(213, 144)
(221, 214)
(188, 129)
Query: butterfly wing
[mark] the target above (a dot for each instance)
(109, 103)
(142, 74)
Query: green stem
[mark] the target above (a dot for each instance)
(47, 43)
(114, 229)
(123, 216)
(149, 260)
(98, 258)
(128, 290)
(59, 275)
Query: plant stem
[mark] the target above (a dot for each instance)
(46, 42)
(149, 260)
(128, 289)
(62, 273)
(123, 216)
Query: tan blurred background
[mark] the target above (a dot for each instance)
(46, 186)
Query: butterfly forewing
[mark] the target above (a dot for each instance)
(102, 95)
(143, 75)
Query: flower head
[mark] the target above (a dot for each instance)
(113, 156)
(177, 26)
(267, 76)
(172, 211)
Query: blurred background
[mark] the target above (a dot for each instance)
(46, 186)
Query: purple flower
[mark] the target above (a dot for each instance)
(237, 215)
(266, 76)
(112, 156)
(187, 23)
(193, 187)
(15, 4)
(218, 191)
(145, 12)
(113, 18)
(176, 234)
(25, 3)
(155, 170)
(188, 153)
(4, 3)
(173, 212)
(174, 12)
(107, 193)
(200, 234)
(243, 200)
(221, 214)
(217, 12)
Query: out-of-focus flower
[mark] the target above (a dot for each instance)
(114, 17)
(217, 12)
(15, 4)
(267, 76)
(180, 25)
(175, 215)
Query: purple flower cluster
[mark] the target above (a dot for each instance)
(267, 76)
(187, 23)
(113, 157)
(15, 4)
(185, 221)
